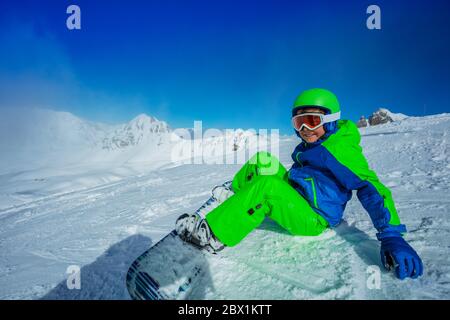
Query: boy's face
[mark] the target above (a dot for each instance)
(311, 136)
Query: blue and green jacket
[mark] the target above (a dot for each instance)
(326, 172)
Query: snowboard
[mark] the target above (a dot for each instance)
(172, 268)
(169, 270)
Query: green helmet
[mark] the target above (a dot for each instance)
(320, 98)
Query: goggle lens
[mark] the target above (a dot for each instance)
(311, 121)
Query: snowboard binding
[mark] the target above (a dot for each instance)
(194, 228)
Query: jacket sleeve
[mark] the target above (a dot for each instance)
(351, 169)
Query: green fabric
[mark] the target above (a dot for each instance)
(258, 196)
(317, 97)
(344, 146)
(262, 163)
(313, 187)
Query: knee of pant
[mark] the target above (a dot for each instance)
(263, 156)
(267, 163)
(269, 182)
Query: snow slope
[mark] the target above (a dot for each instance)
(103, 228)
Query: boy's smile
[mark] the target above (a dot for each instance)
(311, 136)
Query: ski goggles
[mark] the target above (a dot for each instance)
(312, 120)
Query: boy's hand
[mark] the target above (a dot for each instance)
(396, 252)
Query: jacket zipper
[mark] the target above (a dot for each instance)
(313, 186)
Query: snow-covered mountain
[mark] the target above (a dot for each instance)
(44, 130)
(102, 217)
(33, 138)
(139, 130)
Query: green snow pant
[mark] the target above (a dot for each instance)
(262, 189)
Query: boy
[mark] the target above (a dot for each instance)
(312, 195)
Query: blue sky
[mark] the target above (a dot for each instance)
(228, 63)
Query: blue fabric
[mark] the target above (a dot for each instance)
(331, 196)
(367, 194)
(391, 231)
(397, 253)
(333, 184)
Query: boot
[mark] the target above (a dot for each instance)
(192, 228)
(218, 195)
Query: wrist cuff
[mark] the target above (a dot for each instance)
(391, 231)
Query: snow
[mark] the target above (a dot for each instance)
(77, 203)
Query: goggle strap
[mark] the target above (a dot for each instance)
(331, 117)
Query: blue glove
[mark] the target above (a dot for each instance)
(396, 252)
